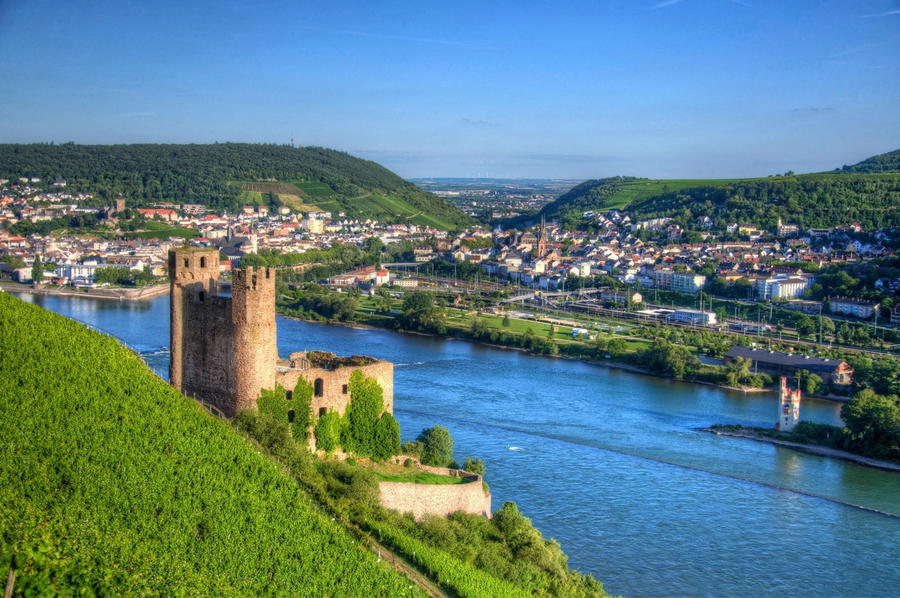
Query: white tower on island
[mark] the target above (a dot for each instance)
(788, 408)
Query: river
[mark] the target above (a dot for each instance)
(611, 464)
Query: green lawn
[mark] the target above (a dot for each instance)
(422, 477)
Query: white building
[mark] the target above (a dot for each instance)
(692, 316)
(853, 307)
(781, 286)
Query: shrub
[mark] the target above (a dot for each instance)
(328, 432)
(387, 437)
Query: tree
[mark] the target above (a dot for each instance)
(328, 432)
(505, 322)
(384, 301)
(826, 325)
(387, 437)
(366, 404)
(437, 446)
(474, 466)
(302, 397)
(737, 370)
(808, 382)
(805, 326)
(419, 312)
(37, 270)
(873, 422)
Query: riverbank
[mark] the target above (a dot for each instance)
(117, 294)
(813, 449)
(598, 362)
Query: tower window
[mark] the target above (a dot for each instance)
(290, 416)
(187, 263)
(322, 411)
(344, 389)
(319, 387)
(202, 262)
(289, 394)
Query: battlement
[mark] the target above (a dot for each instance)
(188, 264)
(253, 279)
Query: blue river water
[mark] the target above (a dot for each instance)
(611, 464)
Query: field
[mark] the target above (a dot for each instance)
(113, 483)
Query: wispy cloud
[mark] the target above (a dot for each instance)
(664, 4)
(881, 14)
(742, 3)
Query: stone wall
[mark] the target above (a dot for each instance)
(436, 499)
(335, 392)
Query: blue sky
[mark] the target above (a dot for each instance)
(662, 88)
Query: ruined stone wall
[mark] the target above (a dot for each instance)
(436, 499)
(335, 384)
(208, 351)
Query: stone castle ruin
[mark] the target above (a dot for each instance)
(224, 349)
(224, 352)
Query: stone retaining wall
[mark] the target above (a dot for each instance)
(436, 499)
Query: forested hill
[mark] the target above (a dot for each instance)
(114, 484)
(888, 162)
(811, 200)
(227, 175)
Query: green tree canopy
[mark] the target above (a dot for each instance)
(361, 417)
(873, 422)
(437, 446)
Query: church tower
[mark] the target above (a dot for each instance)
(542, 239)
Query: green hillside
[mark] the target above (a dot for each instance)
(113, 483)
(227, 175)
(887, 162)
(811, 200)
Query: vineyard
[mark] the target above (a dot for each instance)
(112, 483)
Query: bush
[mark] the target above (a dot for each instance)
(474, 466)
(328, 432)
(387, 437)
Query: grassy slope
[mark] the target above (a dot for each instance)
(830, 197)
(110, 479)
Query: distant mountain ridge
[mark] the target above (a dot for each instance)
(867, 193)
(227, 175)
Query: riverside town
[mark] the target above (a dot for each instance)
(368, 300)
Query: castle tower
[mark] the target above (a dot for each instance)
(788, 408)
(255, 345)
(193, 273)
